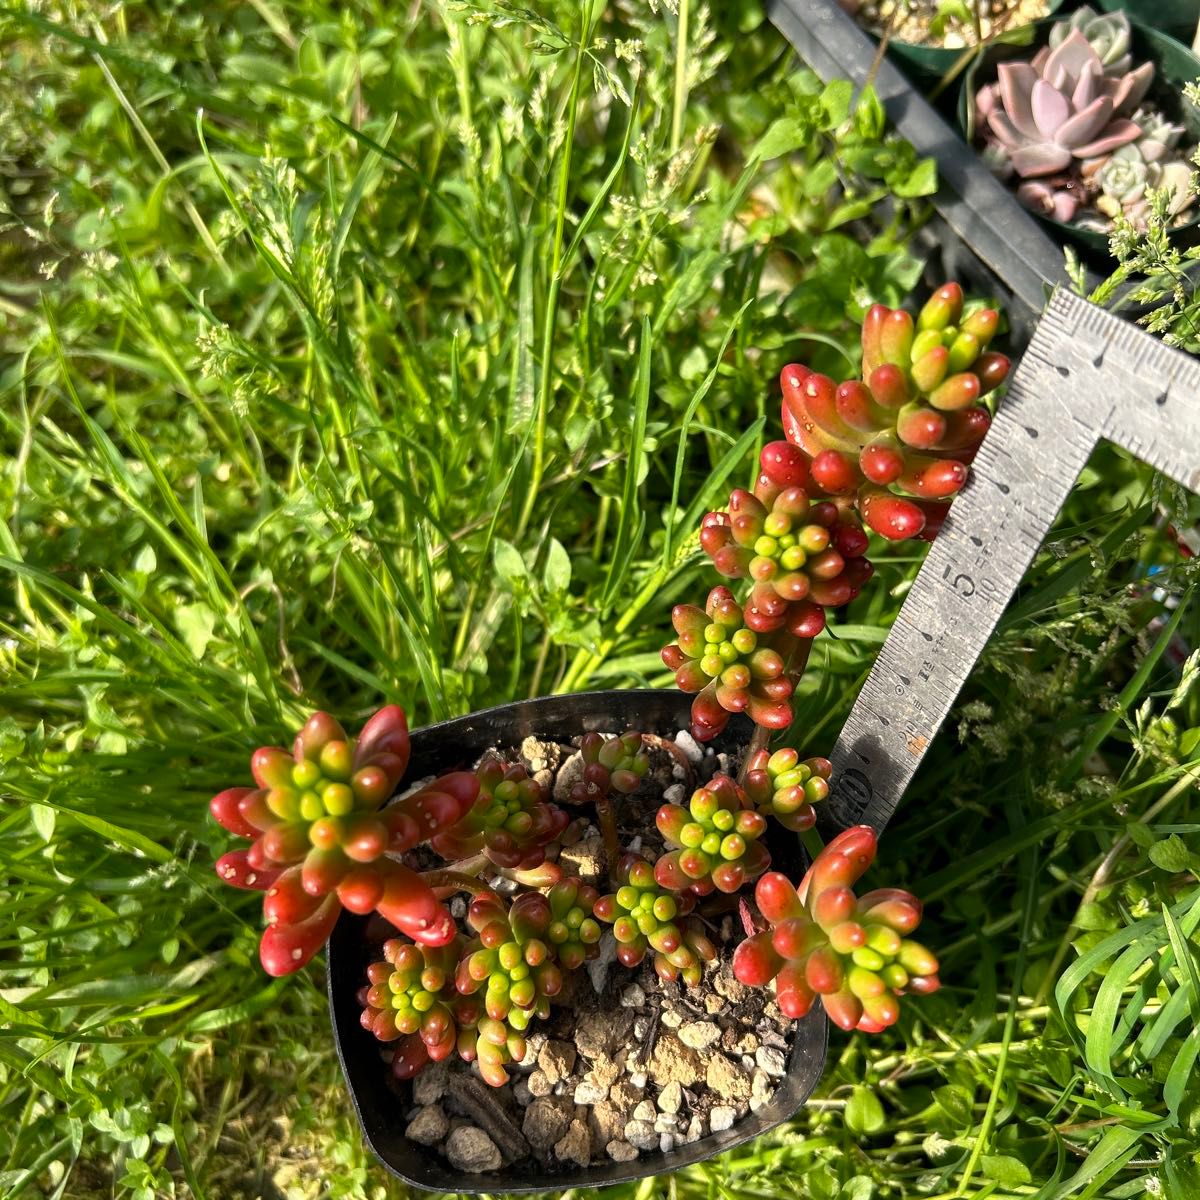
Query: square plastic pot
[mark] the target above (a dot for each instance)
(379, 1101)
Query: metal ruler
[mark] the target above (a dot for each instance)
(1086, 375)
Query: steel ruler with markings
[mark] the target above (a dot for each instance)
(1085, 376)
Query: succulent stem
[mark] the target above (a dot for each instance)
(760, 740)
(608, 830)
(455, 881)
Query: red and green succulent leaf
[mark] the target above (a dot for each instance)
(511, 961)
(898, 440)
(714, 841)
(573, 932)
(511, 822)
(609, 765)
(854, 952)
(647, 918)
(410, 995)
(779, 785)
(320, 835)
(797, 553)
(732, 668)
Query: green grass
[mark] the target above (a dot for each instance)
(363, 353)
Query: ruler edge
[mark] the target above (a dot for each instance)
(1074, 312)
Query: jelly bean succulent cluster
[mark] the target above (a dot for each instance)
(852, 952)
(329, 830)
(885, 452)
(326, 835)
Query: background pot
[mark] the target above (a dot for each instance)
(933, 62)
(378, 1101)
(1176, 17)
(1174, 65)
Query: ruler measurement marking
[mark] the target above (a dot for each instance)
(1085, 375)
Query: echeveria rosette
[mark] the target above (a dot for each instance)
(1126, 178)
(1109, 35)
(1060, 109)
(512, 962)
(779, 785)
(797, 553)
(321, 835)
(853, 952)
(731, 667)
(511, 822)
(899, 440)
(573, 932)
(410, 995)
(714, 841)
(647, 918)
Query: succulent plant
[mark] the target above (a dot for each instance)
(793, 550)
(1126, 180)
(511, 822)
(511, 960)
(1045, 115)
(411, 995)
(731, 667)
(715, 840)
(1124, 176)
(609, 765)
(572, 931)
(855, 953)
(320, 835)
(613, 764)
(1058, 197)
(1158, 136)
(913, 425)
(1108, 34)
(648, 918)
(779, 785)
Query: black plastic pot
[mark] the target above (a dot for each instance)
(1174, 65)
(1176, 17)
(933, 62)
(378, 1100)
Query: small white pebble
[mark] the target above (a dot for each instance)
(689, 746)
(589, 1092)
(641, 1027)
(666, 1142)
(670, 1099)
(695, 1130)
(722, 1117)
(641, 1134)
(645, 1111)
(699, 1035)
(747, 1062)
(666, 1123)
(638, 1078)
(633, 997)
(771, 1060)
(675, 794)
(671, 1019)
